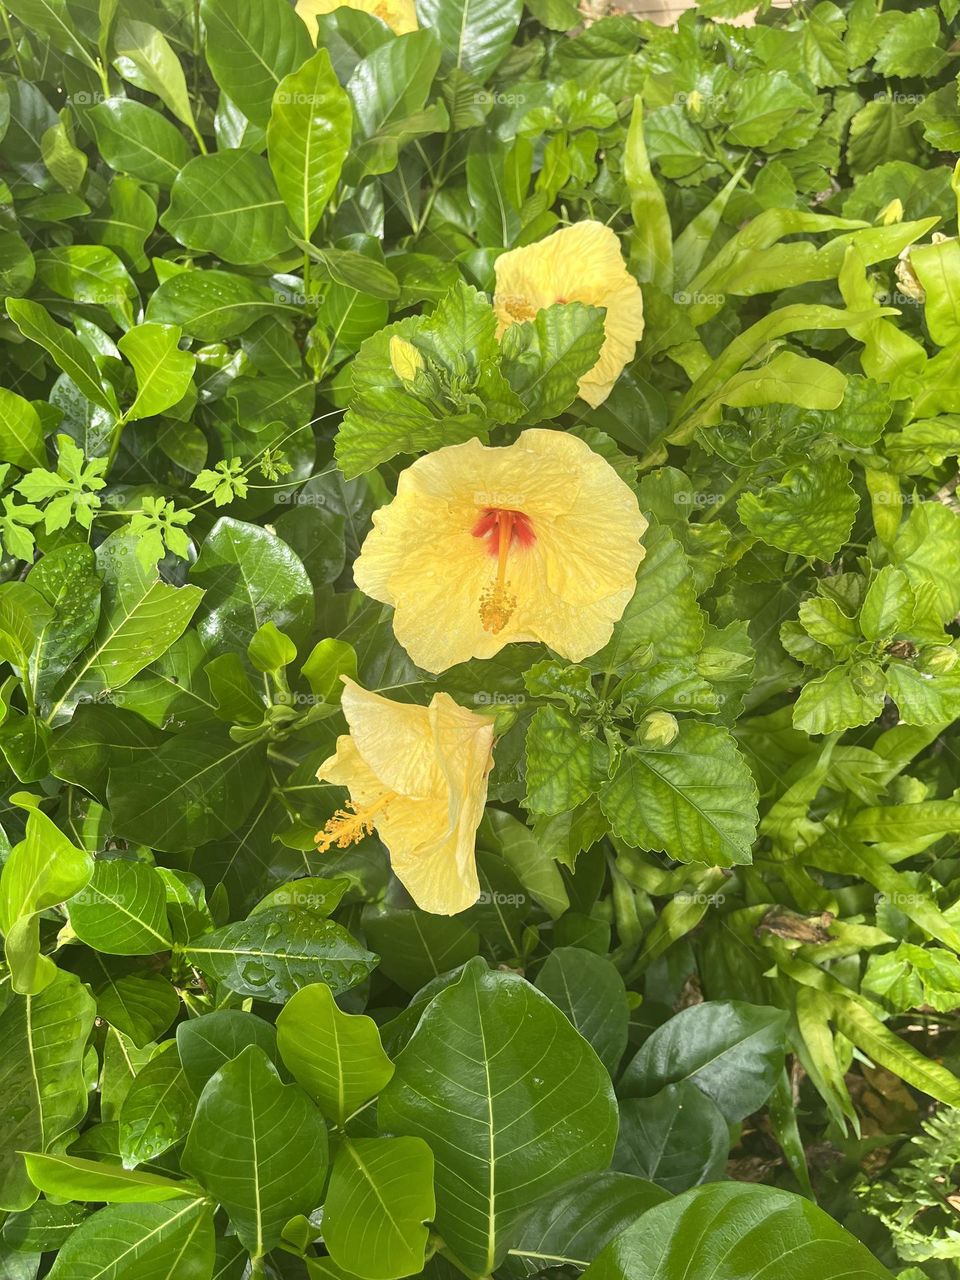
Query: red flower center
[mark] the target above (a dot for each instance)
(503, 528)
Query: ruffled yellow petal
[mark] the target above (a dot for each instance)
(399, 15)
(445, 752)
(565, 583)
(393, 739)
(580, 263)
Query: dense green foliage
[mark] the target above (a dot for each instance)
(713, 972)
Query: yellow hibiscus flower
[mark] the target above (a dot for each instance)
(482, 547)
(399, 15)
(419, 776)
(582, 263)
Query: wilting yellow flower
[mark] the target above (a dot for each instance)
(582, 263)
(481, 547)
(419, 776)
(399, 15)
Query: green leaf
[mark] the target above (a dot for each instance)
(694, 798)
(475, 34)
(228, 205)
(921, 698)
(845, 697)
(379, 1199)
(732, 1051)
(163, 371)
(139, 141)
(576, 1224)
(21, 432)
(418, 946)
(458, 393)
(73, 1178)
(206, 1043)
(911, 47)
(489, 1052)
(251, 49)
(157, 1110)
(544, 359)
(35, 323)
(274, 953)
(809, 513)
(389, 90)
(42, 1079)
(122, 910)
(888, 1050)
(141, 1242)
(250, 577)
(888, 606)
(138, 1006)
(651, 241)
(41, 871)
(308, 139)
(680, 1240)
(259, 1147)
(591, 993)
(210, 305)
(198, 788)
(140, 618)
(566, 762)
(677, 1138)
(337, 1057)
(937, 266)
(145, 57)
(68, 580)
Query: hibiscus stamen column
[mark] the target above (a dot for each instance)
(496, 603)
(349, 826)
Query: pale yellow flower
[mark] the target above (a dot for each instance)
(581, 263)
(482, 547)
(399, 15)
(419, 776)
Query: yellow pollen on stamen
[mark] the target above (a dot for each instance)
(518, 308)
(496, 603)
(351, 824)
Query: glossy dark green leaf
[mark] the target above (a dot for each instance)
(259, 1147)
(512, 1101)
(731, 1050)
(157, 1110)
(41, 1076)
(228, 205)
(139, 141)
(143, 1241)
(250, 50)
(206, 1043)
(675, 1241)
(274, 953)
(678, 1138)
(591, 993)
(250, 577)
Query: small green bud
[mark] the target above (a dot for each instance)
(658, 729)
(866, 678)
(642, 658)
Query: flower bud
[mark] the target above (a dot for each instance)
(694, 104)
(405, 359)
(658, 729)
